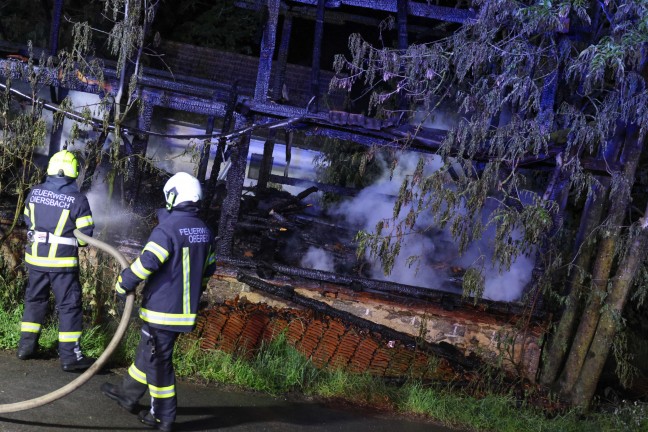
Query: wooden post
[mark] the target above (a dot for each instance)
(267, 52)
(317, 53)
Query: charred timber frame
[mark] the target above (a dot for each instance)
(228, 123)
(206, 148)
(232, 201)
(447, 300)
(317, 53)
(267, 51)
(199, 100)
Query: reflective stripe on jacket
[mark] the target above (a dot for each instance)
(56, 207)
(176, 262)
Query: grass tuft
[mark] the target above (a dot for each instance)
(278, 368)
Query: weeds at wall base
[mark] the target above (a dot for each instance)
(277, 368)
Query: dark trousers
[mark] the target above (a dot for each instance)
(153, 370)
(67, 293)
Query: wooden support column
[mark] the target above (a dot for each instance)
(57, 94)
(317, 53)
(282, 59)
(232, 201)
(277, 94)
(139, 147)
(402, 7)
(267, 51)
(228, 121)
(206, 148)
(266, 163)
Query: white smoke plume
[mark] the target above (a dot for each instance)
(318, 259)
(435, 249)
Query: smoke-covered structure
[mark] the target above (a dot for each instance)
(249, 127)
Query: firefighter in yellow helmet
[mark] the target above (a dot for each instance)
(53, 210)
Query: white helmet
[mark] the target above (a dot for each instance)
(182, 187)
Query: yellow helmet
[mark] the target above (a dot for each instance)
(63, 163)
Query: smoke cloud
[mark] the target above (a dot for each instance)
(318, 259)
(426, 254)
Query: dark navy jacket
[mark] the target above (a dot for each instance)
(176, 263)
(56, 207)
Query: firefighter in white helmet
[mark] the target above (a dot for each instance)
(175, 264)
(53, 210)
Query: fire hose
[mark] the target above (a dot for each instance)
(99, 363)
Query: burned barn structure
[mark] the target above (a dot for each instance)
(340, 317)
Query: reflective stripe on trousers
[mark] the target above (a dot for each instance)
(67, 293)
(153, 370)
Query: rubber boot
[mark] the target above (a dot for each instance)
(27, 346)
(148, 419)
(115, 393)
(127, 395)
(78, 365)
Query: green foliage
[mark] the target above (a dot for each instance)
(276, 368)
(12, 287)
(348, 164)
(625, 370)
(362, 389)
(450, 406)
(498, 70)
(98, 273)
(473, 283)
(23, 131)
(10, 327)
(629, 416)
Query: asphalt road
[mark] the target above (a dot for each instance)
(200, 408)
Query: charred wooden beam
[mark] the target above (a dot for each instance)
(185, 84)
(424, 10)
(338, 190)
(267, 51)
(282, 60)
(56, 93)
(317, 53)
(447, 299)
(140, 145)
(372, 285)
(266, 162)
(232, 201)
(206, 148)
(193, 104)
(286, 292)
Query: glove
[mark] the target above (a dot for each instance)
(121, 291)
(121, 297)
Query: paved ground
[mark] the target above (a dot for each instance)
(200, 408)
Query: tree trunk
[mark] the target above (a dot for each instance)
(609, 322)
(584, 249)
(603, 263)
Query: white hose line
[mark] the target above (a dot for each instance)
(90, 372)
